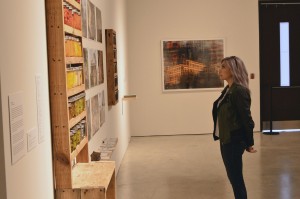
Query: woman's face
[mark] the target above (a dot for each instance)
(225, 73)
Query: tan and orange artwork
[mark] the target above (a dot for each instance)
(192, 64)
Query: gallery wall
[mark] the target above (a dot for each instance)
(114, 120)
(155, 112)
(24, 56)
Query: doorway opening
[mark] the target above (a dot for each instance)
(279, 43)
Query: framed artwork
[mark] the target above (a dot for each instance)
(88, 119)
(102, 107)
(84, 17)
(91, 21)
(99, 25)
(192, 64)
(95, 115)
(93, 67)
(86, 68)
(100, 67)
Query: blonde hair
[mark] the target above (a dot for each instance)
(238, 70)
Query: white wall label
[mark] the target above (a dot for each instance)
(16, 122)
(32, 138)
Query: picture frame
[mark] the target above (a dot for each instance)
(93, 67)
(95, 115)
(91, 20)
(84, 17)
(102, 107)
(100, 67)
(86, 68)
(192, 65)
(99, 25)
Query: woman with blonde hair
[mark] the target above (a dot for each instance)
(233, 124)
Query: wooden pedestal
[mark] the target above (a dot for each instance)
(95, 180)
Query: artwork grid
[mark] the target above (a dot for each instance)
(192, 64)
(93, 66)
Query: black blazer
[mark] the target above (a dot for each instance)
(241, 123)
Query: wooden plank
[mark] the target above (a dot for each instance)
(74, 60)
(77, 119)
(78, 149)
(111, 190)
(58, 97)
(110, 35)
(68, 194)
(93, 193)
(83, 155)
(73, 31)
(75, 90)
(93, 174)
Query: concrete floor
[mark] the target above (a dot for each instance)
(190, 167)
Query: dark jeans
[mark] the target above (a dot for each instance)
(232, 157)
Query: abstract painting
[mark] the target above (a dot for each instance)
(191, 64)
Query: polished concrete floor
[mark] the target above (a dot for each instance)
(190, 167)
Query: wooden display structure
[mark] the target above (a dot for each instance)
(111, 67)
(74, 176)
(92, 180)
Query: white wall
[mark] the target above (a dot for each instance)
(117, 116)
(23, 55)
(149, 22)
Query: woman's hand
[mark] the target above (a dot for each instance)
(251, 149)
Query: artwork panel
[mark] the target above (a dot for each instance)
(84, 17)
(95, 112)
(192, 64)
(93, 67)
(99, 25)
(100, 67)
(88, 119)
(86, 68)
(91, 21)
(102, 108)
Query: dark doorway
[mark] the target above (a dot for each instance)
(279, 102)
